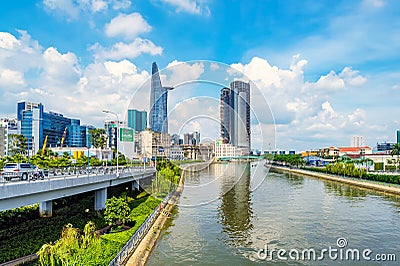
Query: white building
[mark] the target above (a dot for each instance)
(223, 150)
(357, 141)
(7, 127)
(154, 144)
(176, 153)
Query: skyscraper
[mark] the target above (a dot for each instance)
(398, 136)
(241, 93)
(226, 114)
(235, 114)
(158, 103)
(137, 120)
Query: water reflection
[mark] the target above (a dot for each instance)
(349, 192)
(235, 210)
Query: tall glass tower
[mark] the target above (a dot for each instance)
(235, 114)
(158, 120)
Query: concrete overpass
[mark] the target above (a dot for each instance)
(59, 184)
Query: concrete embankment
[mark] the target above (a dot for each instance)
(143, 251)
(394, 190)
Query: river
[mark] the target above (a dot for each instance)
(227, 217)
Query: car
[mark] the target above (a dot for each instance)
(21, 171)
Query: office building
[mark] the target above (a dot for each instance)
(158, 120)
(7, 128)
(357, 141)
(384, 146)
(137, 120)
(235, 115)
(154, 144)
(192, 139)
(36, 125)
(111, 131)
(398, 136)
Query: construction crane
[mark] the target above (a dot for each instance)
(44, 145)
(63, 136)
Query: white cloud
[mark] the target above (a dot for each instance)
(182, 72)
(72, 9)
(189, 6)
(303, 110)
(352, 77)
(8, 41)
(11, 78)
(123, 50)
(62, 84)
(127, 26)
(330, 82)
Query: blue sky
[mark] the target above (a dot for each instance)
(328, 69)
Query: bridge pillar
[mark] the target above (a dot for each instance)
(100, 197)
(135, 185)
(46, 208)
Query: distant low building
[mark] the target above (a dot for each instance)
(384, 146)
(176, 153)
(225, 150)
(355, 150)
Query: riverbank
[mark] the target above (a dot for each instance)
(359, 183)
(144, 249)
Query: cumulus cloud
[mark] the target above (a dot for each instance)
(72, 9)
(303, 109)
(127, 26)
(122, 50)
(11, 78)
(60, 78)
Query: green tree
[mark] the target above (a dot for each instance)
(98, 137)
(396, 151)
(117, 209)
(17, 144)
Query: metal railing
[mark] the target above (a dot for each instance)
(65, 172)
(135, 240)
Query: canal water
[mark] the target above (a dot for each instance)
(227, 217)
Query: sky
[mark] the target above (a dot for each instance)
(325, 70)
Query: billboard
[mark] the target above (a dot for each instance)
(126, 134)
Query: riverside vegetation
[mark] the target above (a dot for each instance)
(341, 168)
(77, 247)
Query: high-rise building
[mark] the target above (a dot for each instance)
(7, 127)
(192, 139)
(398, 136)
(226, 114)
(242, 110)
(36, 125)
(235, 115)
(357, 141)
(137, 120)
(158, 121)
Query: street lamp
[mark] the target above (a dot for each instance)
(116, 144)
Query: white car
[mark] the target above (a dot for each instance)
(21, 171)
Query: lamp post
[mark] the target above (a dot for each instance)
(116, 145)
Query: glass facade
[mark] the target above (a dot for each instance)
(398, 136)
(37, 124)
(137, 120)
(158, 103)
(235, 114)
